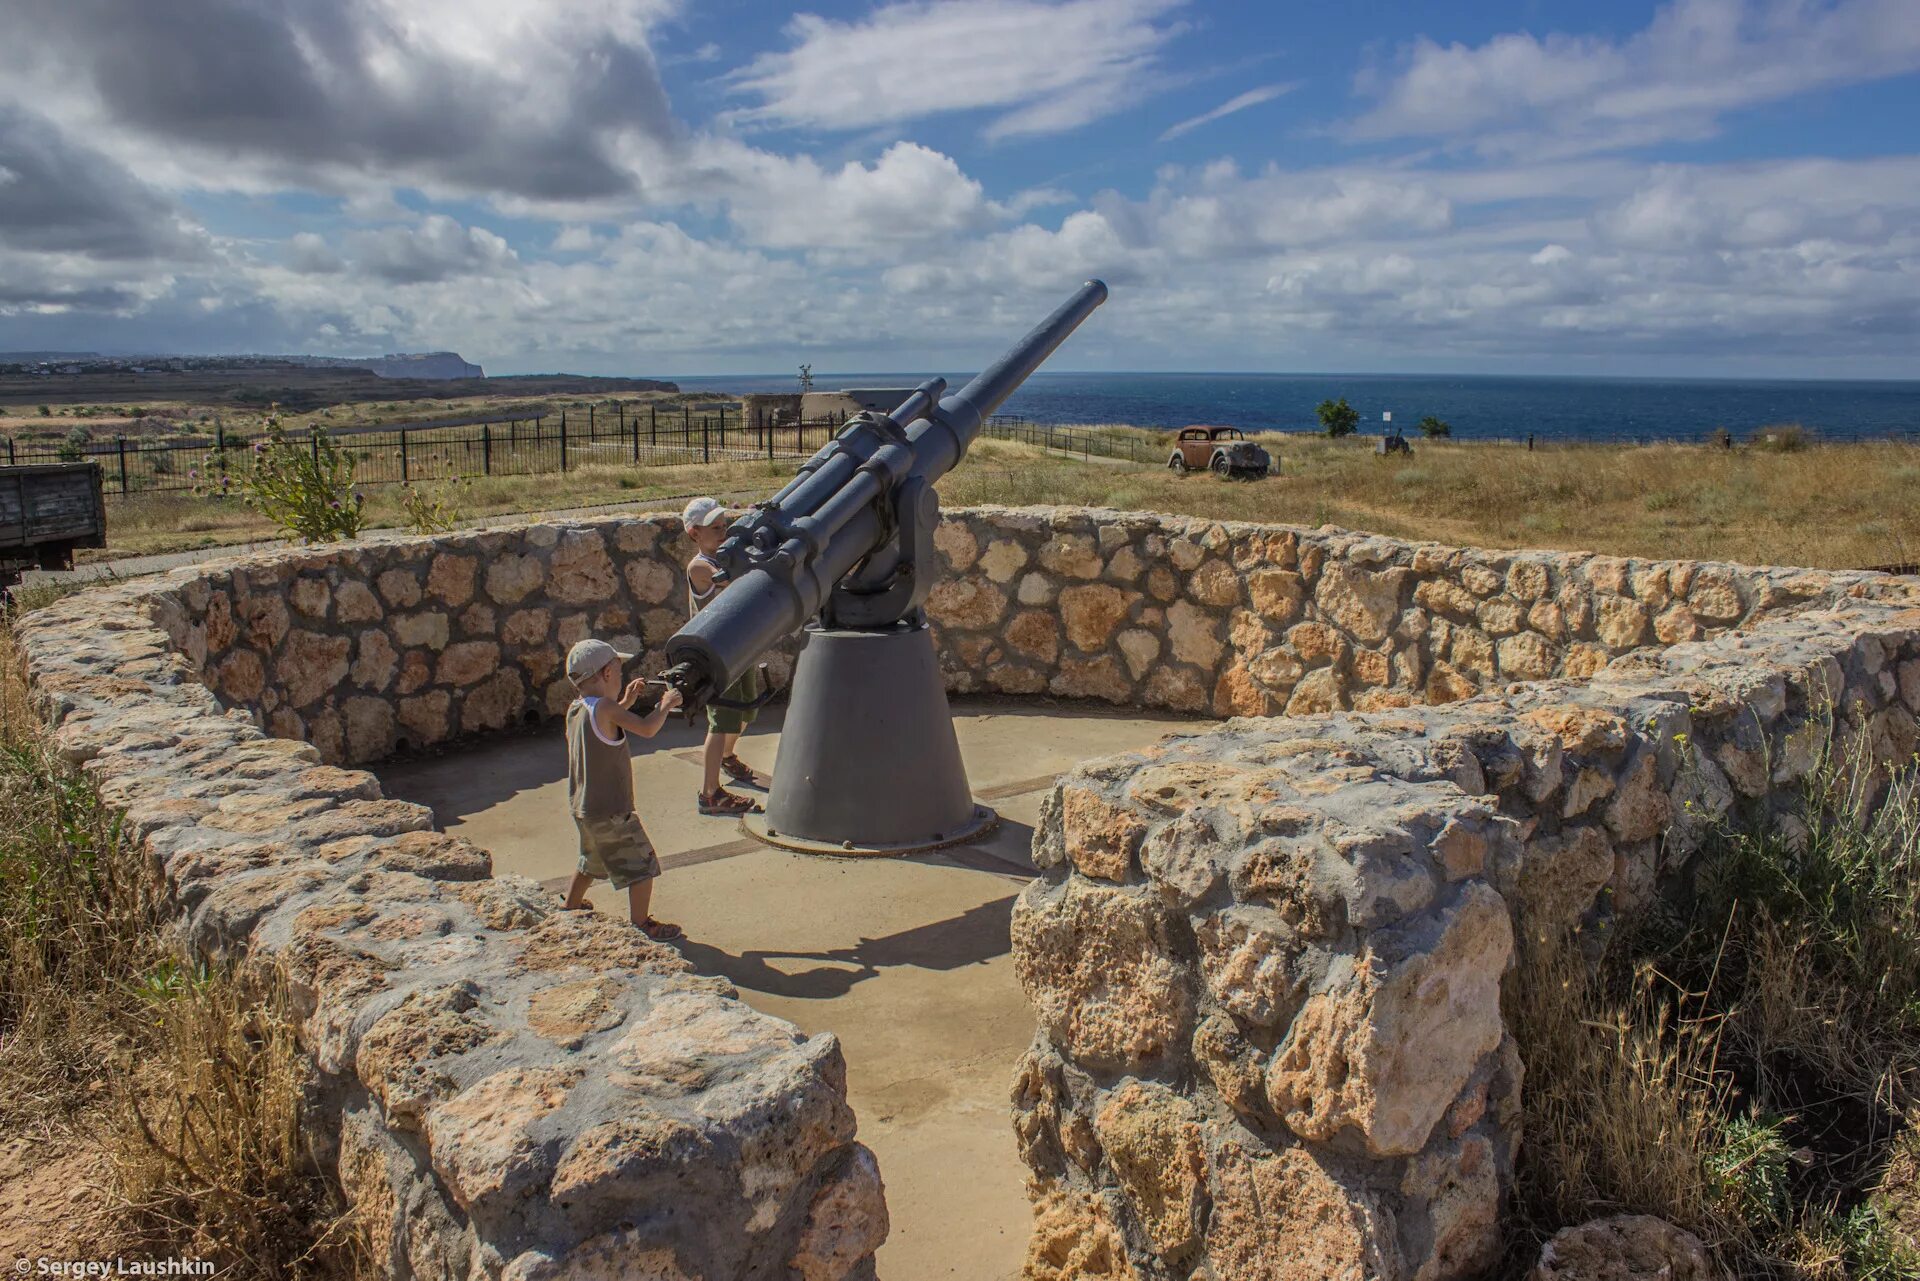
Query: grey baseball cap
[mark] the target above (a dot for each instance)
(589, 656)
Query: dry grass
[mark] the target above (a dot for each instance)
(181, 522)
(1835, 506)
(190, 1082)
(1746, 1065)
(1825, 505)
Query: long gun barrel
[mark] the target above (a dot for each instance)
(849, 534)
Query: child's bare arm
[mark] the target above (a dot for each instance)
(621, 714)
(702, 575)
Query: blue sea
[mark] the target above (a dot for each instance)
(1588, 409)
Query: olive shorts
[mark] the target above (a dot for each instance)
(616, 849)
(734, 720)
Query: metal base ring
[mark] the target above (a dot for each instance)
(980, 822)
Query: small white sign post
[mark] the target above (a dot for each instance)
(1387, 417)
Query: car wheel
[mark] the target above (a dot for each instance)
(1178, 465)
(1221, 467)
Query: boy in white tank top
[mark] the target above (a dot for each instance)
(706, 521)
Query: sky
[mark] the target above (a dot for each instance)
(679, 187)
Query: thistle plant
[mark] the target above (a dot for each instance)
(304, 487)
(432, 513)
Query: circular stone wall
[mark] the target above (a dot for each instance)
(1265, 958)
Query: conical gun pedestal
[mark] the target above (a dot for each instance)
(868, 763)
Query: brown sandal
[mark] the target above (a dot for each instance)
(661, 931)
(725, 804)
(738, 770)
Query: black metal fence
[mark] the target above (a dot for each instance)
(619, 435)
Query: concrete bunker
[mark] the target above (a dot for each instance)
(1265, 957)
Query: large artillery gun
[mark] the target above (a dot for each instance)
(868, 758)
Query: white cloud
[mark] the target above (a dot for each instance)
(1697, 61)
(1239, 102)
(1046, 67)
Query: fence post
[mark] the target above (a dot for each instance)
(122, 441)
(706, 449)
(220, 438)
(653, 425)
(563, 440)
(486, 450)
(9, 451)
(313, 439)
(589, 420)
(636, 435)
(405, 478)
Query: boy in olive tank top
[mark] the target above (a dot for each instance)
(613, 844)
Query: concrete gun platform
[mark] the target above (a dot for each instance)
(906, 960)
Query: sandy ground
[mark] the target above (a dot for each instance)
(906, 960)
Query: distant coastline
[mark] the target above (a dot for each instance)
(1549, 408)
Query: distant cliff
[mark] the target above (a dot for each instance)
(429, 364)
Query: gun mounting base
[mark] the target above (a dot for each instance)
(869, 763)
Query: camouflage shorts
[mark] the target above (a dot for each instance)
(616, 849)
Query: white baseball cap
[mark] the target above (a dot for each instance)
(589, 656)
(703, 511)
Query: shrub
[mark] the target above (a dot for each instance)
(73, 446)
(304, 487)
(1746, 1061)
(1435, 427)
(1337, 417)
(1720, 438)
(46, 411)
(1782, 438)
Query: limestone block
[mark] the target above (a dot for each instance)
(1386, 1045)
(1100, 677)
(965, 603)
(956, 543)
(1152, 1139)
(450, 578)
(1214, 583)
(467, 662)
(1250, 958)
(428, 628)
(1091, 613)
(1194, 635)
(1035, 633)
(1003, 558)
(1097, 964)
(1075, 1238)
(493, 704)
(1289, 1216)
(310, 596)
(1071, 555)
(1715, 596)
(650, 581)
(581, 572)
(1362, 603)
(400, 588)
(311, 664)
(510, 579)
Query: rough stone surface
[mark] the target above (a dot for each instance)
(488, 1116)
(1626, 1247)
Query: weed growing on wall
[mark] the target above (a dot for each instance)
(1746, 1063)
